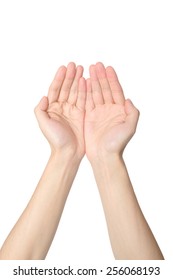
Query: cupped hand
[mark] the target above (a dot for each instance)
(110, 120)
(61, 114)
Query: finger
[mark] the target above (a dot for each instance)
(105, 87)
(81, 96)
(68, 81)
(41, 110)
(132, 114)
(96, 89)
(74, 88)
(56, 85)
(89, 99)
(117, 91)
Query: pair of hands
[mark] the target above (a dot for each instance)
(87, 116)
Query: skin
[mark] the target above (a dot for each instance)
(110, 123)
(79, 117)
(60, 117)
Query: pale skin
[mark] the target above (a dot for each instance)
(79, 117)
(60, 117)
(110, 123)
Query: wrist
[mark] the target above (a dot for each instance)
(65, 156)
(63, 168)
(104, 157)
(108, 169)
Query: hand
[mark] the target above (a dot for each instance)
(61, 114)
(110, 120)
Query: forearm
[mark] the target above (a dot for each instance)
(130, 235)
(32, 235)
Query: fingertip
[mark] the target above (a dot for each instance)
(88, 80)
(130, 107)
(60, 72)
(110, 71)
(80, 67)
(43, 105)
(82, 84)
(101, 72)
(61, 69)
(71, 65)
(71, 71)
(109, 67)
(91, 68)
(41, 109)
(129, 101)
(83, 79)
(99, 63)
(79, 70)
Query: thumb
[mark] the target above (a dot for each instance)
(132, 113)
(41, 110)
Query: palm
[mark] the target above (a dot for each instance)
(65, 125)
(104, 127)
(63, 111)
(108, 125)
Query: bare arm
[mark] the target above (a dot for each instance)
(60, 118)
(32, 235)
(110, 123)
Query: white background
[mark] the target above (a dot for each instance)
(135, 37)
